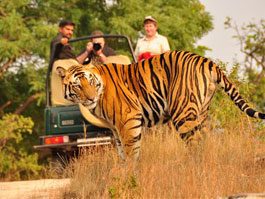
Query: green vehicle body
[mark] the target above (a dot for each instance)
(66, 130)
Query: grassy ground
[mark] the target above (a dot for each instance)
(225, 162)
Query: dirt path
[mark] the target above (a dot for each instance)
(48, 188)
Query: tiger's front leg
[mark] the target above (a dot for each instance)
(130, 134)
(118, 144)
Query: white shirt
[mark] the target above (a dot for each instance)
(157, 45)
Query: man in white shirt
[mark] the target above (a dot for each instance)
(152, 43)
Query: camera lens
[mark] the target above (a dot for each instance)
(96, 46)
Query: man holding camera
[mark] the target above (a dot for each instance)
(97, 49)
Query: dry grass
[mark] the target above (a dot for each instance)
(222, 164)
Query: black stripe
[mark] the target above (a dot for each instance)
(210, 66)
(115, 68)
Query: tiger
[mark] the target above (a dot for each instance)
(176, 85)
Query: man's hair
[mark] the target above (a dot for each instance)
(66, 23)
(97, 33)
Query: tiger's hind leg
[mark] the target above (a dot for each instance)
(193, 136)
(191, 131)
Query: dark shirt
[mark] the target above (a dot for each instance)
(60, 51)
(107, 51)
(95, 59)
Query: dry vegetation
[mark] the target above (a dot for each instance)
(225, 163)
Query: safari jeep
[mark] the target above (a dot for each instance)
(66, 129)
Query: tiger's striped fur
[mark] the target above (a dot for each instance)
(176, 85)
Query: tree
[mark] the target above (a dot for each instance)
(16, 163)
(26, 28)
(252, 43)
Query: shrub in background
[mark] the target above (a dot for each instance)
(16, 159)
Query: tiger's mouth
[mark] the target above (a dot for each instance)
(90, 104)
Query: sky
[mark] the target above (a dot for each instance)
(224, 47)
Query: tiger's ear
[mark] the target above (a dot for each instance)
(61, 71)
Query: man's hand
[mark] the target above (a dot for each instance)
(101, 55)
(64, 40)
(89, 47)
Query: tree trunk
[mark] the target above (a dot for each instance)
(6, 66)
(23, 106)
(5, 105)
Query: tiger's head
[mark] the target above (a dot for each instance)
(81, 85)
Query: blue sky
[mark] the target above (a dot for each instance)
(220, 40)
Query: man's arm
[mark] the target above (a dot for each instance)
(83, 55)
(55, 47)
(136, 52)
(165, 45)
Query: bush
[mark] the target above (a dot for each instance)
(17, 160)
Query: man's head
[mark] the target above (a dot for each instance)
(99, 40)
(150, 26)
(66, 28)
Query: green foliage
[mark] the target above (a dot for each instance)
(183, 22)
(27, 27)
(252, 42)
(129, 183)
(224, 114)
(252, 36)
(16, 162)
(256, 89)
(22, 82)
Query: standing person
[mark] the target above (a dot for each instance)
(60, 48)
(152, 43)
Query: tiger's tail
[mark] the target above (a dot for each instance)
(231, 90)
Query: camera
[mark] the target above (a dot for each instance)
(96, 46)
